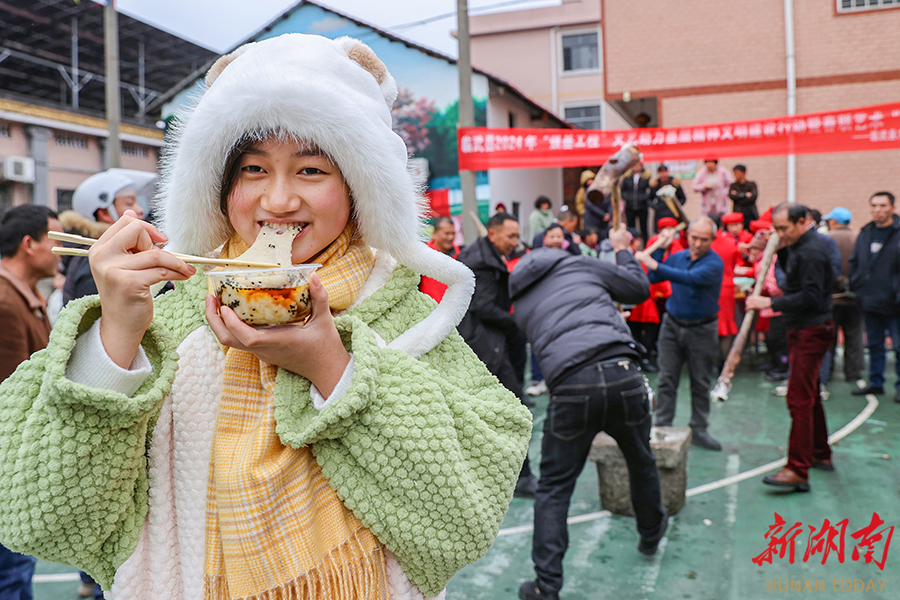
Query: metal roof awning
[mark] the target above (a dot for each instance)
(51, 51)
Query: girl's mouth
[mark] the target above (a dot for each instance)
(282, 228)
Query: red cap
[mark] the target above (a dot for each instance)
(759, 224)
(666, 222)
(734, 217)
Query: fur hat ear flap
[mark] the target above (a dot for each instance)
(362, 55)
(222, 62)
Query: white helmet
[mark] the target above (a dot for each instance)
(99, 191)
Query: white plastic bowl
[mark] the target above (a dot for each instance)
(265, 296)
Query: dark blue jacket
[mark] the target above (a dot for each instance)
(875, 278)
(695, 284)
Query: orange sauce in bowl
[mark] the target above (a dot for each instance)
(267, 306)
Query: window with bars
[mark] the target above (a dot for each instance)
(586, 117)
(6, 199)
(64, 200)
(70, 141)
(580, 52)
(846, 6)
(134, 150)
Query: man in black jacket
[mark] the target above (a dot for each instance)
(875, 278)
(566, 306)
(488, 327)
(660, 208)
(807, 307)
(743, 194)
(636, 197)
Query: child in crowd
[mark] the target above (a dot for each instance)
(172, 451)
(644, 318)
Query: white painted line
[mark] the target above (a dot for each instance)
(732, 467)
(55, 577)
(871, 405)
(651, 575)
(515, 530)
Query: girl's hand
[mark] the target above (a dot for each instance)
(313, 350)
(125, 263)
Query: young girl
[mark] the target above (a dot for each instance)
(172, 451)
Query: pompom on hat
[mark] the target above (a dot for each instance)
(336, 94)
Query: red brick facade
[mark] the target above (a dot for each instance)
(712, 61)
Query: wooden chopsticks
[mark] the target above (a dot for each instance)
(197, 260)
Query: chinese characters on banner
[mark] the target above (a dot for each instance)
(871, 545)
(854, 130)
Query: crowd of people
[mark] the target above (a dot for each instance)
(599, 308)
(169, 449)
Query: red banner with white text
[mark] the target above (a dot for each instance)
(849, 130)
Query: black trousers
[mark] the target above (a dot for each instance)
(632, 217)
(608, 397)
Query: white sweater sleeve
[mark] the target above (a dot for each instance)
(319, 401)
(90, 365)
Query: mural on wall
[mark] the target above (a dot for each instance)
(430, 131)
(427, 109)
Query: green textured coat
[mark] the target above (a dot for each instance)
(424, 451)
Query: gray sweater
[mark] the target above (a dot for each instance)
(565, 304)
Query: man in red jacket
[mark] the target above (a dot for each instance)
(442, 241)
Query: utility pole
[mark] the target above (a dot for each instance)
(466, 119)
(113, 111)
(790, 69)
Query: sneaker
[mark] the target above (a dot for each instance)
(536, 389)
(530, 591)
(86, 590)
(780, 390)
(526, 487)
(823, 392)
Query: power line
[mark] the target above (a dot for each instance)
(478, 10)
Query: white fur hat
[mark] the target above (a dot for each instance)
(336, 94)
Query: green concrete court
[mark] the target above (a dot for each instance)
(707, 552)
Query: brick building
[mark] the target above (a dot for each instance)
(701, 61)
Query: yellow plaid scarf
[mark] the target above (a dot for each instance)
(275, 529)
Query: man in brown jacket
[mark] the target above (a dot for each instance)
(847, 314)
(25, 258)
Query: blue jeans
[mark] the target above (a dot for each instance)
(16, 571)
(88, 580)
(610, 397)
(536, 374)
(876, 326)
